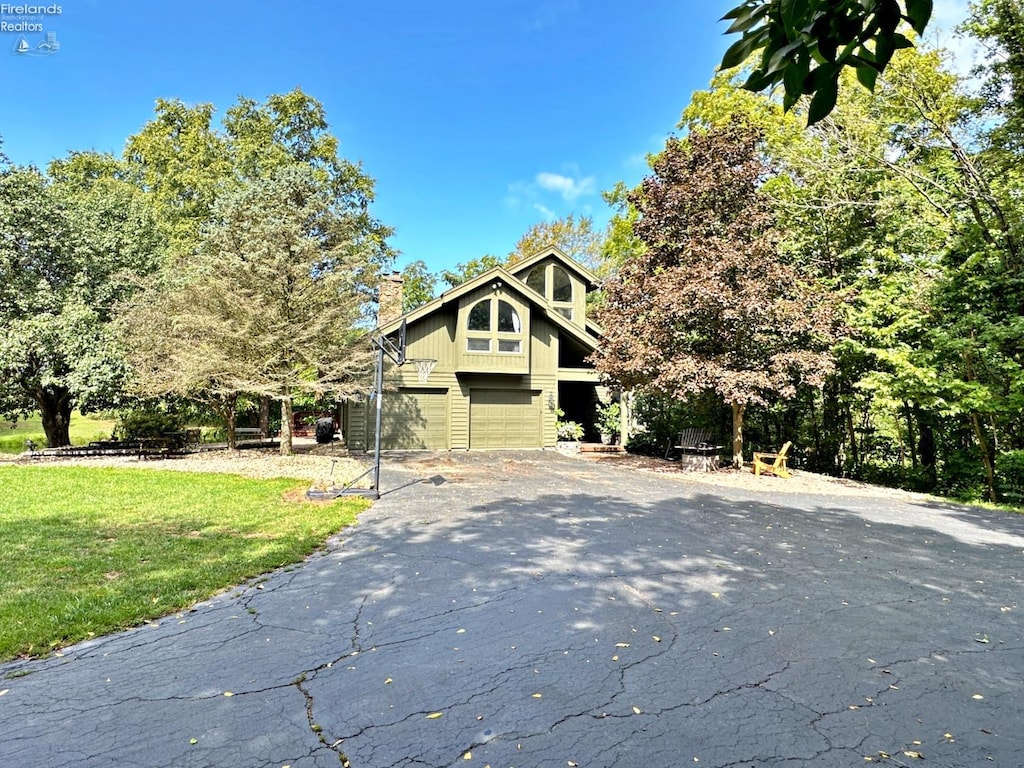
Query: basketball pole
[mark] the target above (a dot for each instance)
(378, 386)
(397, 353)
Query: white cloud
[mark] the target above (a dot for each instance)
(546, 212)
(568, 187)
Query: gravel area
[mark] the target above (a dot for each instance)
(314, 464)
(801, 482)
(311, 465)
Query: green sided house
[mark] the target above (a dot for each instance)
(489, 362)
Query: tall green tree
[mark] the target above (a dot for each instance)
(577, 237)
(417, 285)
(186, 162)
(999, 26)
(464, 271)
(183, 164)
(270, 304)
(708, 305)
(69, 252)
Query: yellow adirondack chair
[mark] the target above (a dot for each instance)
(772, 463)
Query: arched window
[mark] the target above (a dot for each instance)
(535, 279)
(561, 286)
(494, 324)
(480, 316)
(508, 318)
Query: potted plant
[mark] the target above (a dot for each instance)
(569, 433)
(608, 421)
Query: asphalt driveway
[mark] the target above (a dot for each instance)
(532, 610)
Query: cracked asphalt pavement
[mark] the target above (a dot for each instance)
(534, 610)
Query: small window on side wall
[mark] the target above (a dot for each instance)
(478, 345)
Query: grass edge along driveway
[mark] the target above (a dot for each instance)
(85, 551)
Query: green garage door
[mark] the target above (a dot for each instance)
(504, 418)
(414, 418)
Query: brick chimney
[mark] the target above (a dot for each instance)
(389, 298)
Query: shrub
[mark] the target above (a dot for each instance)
(136, 424)
(608, 418)
(1010, 477)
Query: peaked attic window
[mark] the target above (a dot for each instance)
(494, 324)
(560, 293)
(535, 279)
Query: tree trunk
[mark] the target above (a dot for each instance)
(911, 437)
(851, 432)
(54, 405)
(229, 420)
(265, 416)
(986, 459)
(979, 432)
(286, 424)
(737, 434)
(926, 445)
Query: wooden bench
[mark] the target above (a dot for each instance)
(248, 433)
(772, 463)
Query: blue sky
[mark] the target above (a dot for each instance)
(477, 119)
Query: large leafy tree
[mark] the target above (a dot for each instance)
(186, 163)
(417, 285)
(182, 163)
(464, 271)
(270, 304)
(708, 305)
(70, 250)
(576, 237)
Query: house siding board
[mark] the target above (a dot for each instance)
(431, 338)
(460, 416)
(354, 428)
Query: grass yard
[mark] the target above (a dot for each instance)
(83, 429)
(89, 550)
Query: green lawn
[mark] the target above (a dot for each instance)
(85, 551)
(83, 429)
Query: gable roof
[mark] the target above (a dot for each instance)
(508, 280)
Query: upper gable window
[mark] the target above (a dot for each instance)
(480, 316)
(508, 318)
(503, 330)
(561, 286)
(535, 279)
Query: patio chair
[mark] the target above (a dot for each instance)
(772, 463)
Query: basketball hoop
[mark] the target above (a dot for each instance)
(423, 369)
